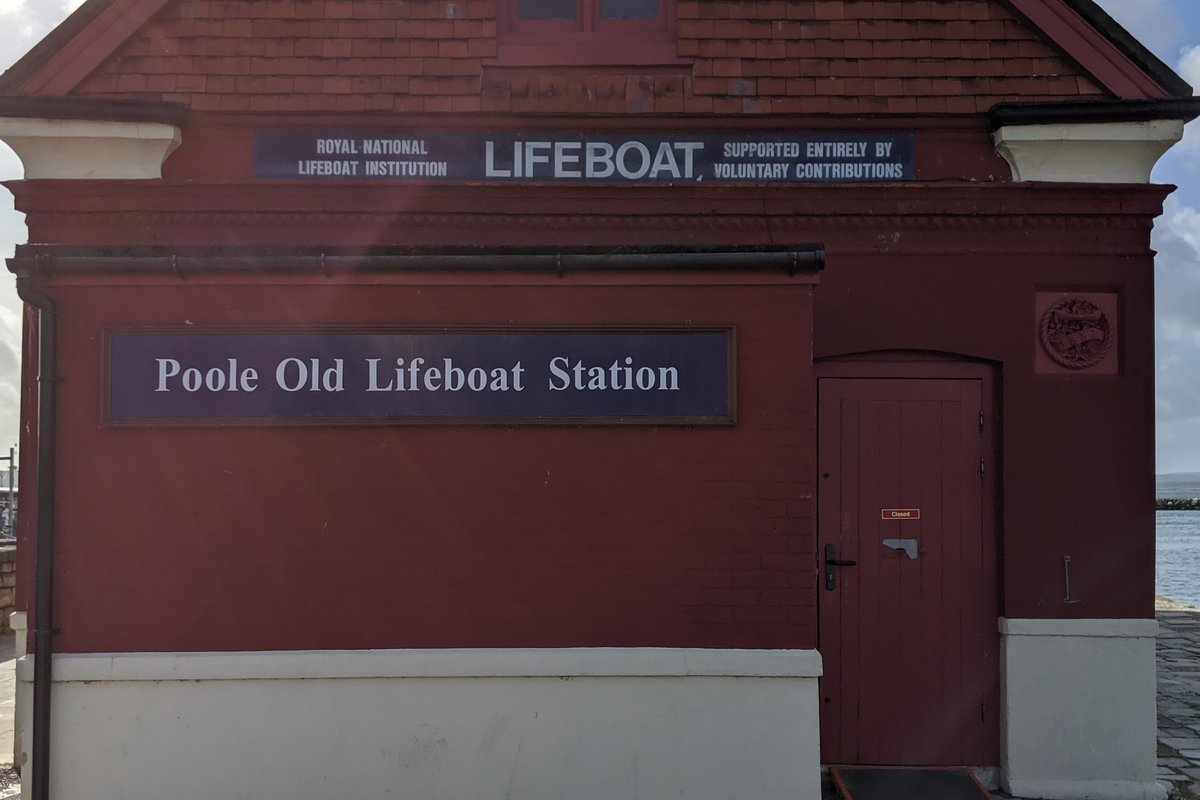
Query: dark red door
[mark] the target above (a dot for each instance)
(908, 634)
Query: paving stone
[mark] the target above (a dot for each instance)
(1178, 651)
(1174, 778)
(1180, 745)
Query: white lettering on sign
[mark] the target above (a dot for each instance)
(617, 376)
(836, 150)
(632, 160)
(415, 375)
(566, 155)
(336, 169)
(395, 147)
(599, 160)
(297, 375)
(406, 169)
(753, 171)
(761, 150)
(229, 378)
(901, 513)
(337, 147)
(828, 171)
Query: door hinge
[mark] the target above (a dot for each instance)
(982, 470)
(980, 420)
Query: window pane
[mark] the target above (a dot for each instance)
(628, 9)
(546, 9)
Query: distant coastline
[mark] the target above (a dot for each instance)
(1178, 491)
(1178, 503)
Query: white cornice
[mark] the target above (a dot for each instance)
(1105, 152)
(68, 149)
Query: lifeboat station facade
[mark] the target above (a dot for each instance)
(473, 399)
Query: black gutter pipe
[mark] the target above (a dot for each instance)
(1076, 111)
(43, 614)
(792, 259)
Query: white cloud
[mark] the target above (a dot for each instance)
(1189, 69)
(1177, 327)
(1152, 22)
(1177, 239)
(25, 23)
(1189, 65)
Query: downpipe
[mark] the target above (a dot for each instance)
(43, 613)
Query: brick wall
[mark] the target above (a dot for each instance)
(441, 536)
(755, 56)
(8, 585)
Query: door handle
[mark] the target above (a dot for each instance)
(830, 563)
(906, 546)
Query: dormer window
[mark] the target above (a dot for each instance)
(587, 32)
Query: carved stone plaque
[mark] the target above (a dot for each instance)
(1077, 333)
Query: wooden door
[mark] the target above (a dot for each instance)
(910, 645)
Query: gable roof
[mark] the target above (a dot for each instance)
(98, 29)
(1073, 25)
(84, 41)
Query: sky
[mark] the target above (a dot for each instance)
(1171, 28)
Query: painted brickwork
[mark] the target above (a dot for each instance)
(763, 56)
(441, 536)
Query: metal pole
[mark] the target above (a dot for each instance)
(12, 491)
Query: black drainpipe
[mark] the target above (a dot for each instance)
(43, 614)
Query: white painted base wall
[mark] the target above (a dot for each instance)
(593, 724)
(1078, 713)
(19, 622)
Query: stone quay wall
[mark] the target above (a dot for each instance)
(8, 585)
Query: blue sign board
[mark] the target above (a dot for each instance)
(502, 376)
(576, 157)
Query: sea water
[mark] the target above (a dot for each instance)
(1177, 571)
(1177, 568)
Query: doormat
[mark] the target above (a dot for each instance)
(885, 783)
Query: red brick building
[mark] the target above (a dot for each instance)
(588, 397)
